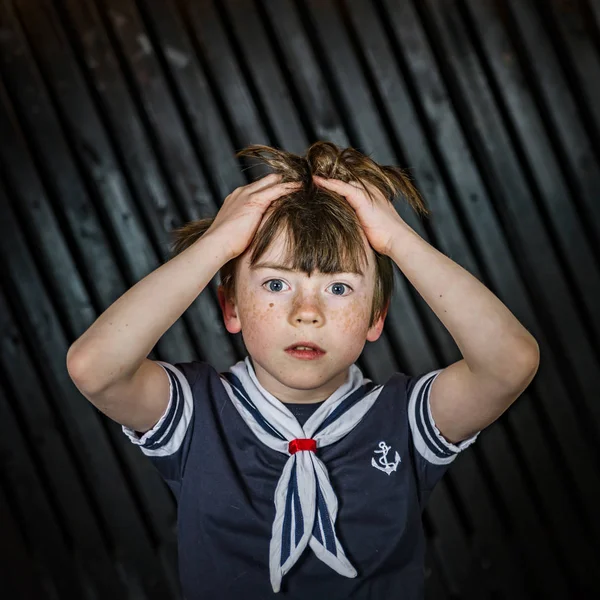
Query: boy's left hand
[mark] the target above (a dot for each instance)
(378, 218)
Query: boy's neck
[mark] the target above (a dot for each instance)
(295, 396)
(304, 402)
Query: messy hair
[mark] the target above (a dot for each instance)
(321, 229)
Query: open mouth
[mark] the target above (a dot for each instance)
(305, 350)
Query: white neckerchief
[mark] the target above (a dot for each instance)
(305, 503)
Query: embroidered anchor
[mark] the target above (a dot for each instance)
(387, 467)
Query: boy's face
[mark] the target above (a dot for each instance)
(275, 309)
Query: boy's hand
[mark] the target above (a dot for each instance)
(241, 213)
(377, 217)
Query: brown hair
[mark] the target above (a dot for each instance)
(323, 230)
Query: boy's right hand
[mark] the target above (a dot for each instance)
(241, 212)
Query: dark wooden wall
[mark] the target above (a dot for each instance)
(119, 120)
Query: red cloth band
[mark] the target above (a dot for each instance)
(299, 445)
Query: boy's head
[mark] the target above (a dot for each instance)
(334, 289)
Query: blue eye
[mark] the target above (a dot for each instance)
(337, 286)
(277, 285)
(278, 282)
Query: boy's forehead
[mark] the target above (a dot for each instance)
(274, 253)
(279, 255)
(277, 250)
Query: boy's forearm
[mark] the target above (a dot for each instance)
(490, 338)
(117, 343)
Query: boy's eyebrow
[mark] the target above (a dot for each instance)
(269, 265)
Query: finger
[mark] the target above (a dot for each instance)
(348, 187)
(275, 191)
(350, 191)
(336, 183)
(263, 182)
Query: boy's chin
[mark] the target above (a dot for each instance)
(304, 374)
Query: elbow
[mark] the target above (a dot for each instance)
(80, 372)
(73, 363)
(530, 358)
(528, 362)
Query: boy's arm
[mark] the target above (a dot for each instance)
(108, 362)
(500, 356)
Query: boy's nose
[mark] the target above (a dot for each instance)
(308, 316)
(308, 319)
(307, 312)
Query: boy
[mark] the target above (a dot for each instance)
(292, 471)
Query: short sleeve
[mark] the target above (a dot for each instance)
(434, 453)
(167, 443)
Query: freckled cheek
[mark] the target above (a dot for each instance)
(256, 314)
(353, 320)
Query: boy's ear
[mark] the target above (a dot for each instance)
(228, 308)
(377, 327)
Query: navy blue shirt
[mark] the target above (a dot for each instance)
(302, 412)
(224, 480)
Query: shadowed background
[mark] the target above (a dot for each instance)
(119, 121)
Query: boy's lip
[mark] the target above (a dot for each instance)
(307, 344)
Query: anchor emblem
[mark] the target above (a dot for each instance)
(387, 467)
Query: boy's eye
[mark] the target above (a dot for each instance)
(337, 289)
(274, 285)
